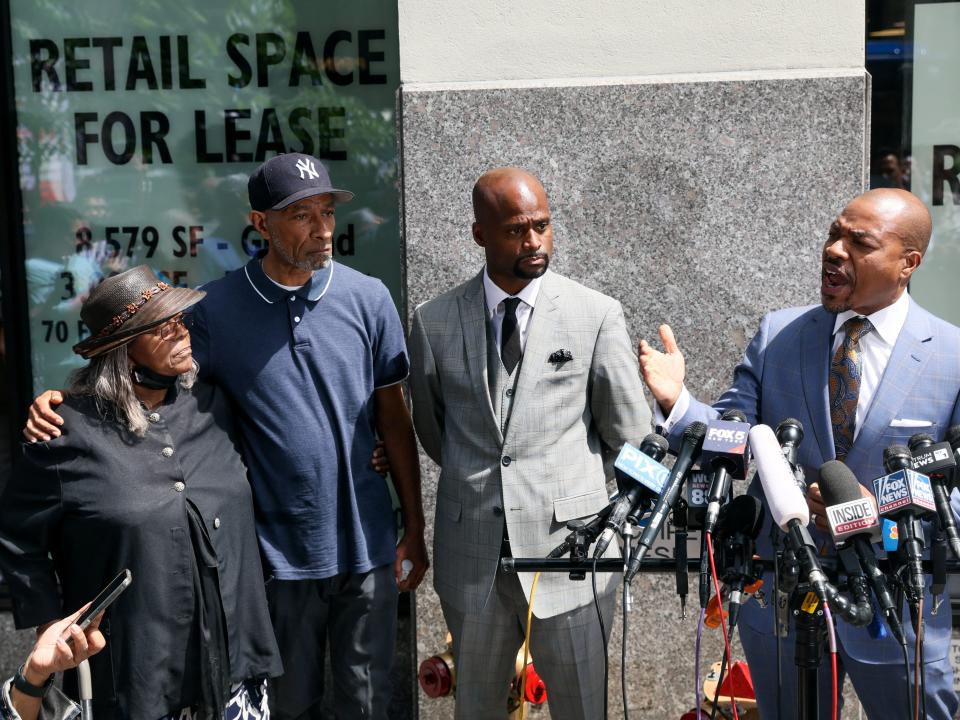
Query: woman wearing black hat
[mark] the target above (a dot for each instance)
(146, 476)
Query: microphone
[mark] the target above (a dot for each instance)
(789, 511)
(643, 477)
(936, 460)
(854, 520)
(902, 495)
(725, 452)
(737, 529)
(953, 437)
(788, 508)
(790, 434)
(689, 449)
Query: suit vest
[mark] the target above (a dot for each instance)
(502, 385)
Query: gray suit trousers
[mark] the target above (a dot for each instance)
(566, 650)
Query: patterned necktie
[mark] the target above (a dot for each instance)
(510, 335)
(845, 373)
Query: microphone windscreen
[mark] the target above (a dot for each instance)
(655, 446)
(897, 457)
(742, 514)
(784, 498)
(919, 440)
(790, 430)
(953, 436)
(838, 484)
(695, 433)
(735, 415)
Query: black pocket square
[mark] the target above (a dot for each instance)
(560, 356)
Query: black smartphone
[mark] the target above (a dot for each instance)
(106, 597)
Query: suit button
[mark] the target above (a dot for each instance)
(509, 392)
(506, 460)
(167, 452)
(154, 417)
(497, 510)
(216, 523)
(179, 486)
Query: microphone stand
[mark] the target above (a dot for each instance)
(810, 633)
(786, 573)
(679, 553)
(938, 559)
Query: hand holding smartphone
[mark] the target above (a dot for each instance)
(102, 601)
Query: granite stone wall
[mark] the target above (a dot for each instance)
(698, 204)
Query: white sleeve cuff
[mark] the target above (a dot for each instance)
(680, 408)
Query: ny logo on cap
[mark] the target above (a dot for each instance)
(306, 166)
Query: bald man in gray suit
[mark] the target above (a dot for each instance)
(525, 386)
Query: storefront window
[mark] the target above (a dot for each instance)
(139, 122)
(912, 56)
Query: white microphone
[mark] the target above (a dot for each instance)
(788, 507)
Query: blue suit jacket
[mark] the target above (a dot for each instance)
(784, 374)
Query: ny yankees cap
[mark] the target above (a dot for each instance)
(284, 179)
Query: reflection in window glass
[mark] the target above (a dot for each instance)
(140, 120)
(912, 56)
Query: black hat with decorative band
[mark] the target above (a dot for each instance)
(127, 305)
(284, 179)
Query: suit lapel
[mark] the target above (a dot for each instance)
(814, 368)
(906, 365)
(473, 321)
(540, 335)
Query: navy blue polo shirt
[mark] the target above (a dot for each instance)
(301, 368)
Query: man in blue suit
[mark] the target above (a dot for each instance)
(865, 369)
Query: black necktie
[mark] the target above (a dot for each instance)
(510, 335)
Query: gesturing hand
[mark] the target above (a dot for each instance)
(663, 372)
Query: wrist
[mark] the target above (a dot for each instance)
(31, 681)
(414, 525)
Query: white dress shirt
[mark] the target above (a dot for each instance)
(496, 310)
(875, 349)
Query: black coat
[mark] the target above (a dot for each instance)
(100, 500)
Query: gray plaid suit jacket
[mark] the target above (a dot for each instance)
(567, 423)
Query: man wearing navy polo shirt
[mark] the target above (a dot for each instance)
(313, 355)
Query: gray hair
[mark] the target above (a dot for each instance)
(107, 378)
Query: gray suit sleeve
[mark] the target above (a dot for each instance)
(428, 409)
(617, 402)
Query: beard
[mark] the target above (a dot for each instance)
(519, 272)
(308, 264)
(835, 306)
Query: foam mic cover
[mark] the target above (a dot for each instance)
(838, 484)
(849, 512)
(735, 415)
(790, 433)
(784, 499)
(743, 514)
(897, 457)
